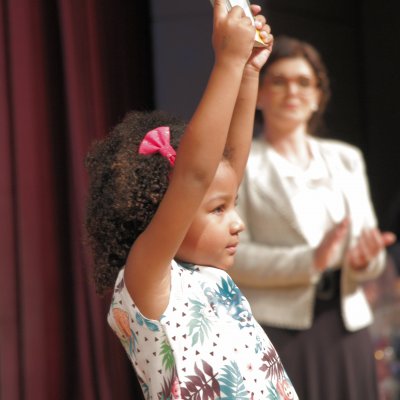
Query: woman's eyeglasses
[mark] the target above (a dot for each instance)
(281, 83)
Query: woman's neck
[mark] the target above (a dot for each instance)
(290, 144)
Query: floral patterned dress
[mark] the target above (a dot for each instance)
(206, 345)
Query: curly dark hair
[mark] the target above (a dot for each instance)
(289, 47)
(125, 189)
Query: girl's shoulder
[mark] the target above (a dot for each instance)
(188, 279)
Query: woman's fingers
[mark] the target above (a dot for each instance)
(388, 238)
(323, 254)
(370, 243)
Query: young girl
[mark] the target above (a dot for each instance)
(164, 229)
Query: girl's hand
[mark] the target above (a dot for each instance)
(233, 34)
(324, 253)
(259, 55)
(368, 246)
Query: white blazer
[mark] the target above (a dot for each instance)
(274, 263)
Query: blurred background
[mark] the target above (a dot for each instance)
(69, 70)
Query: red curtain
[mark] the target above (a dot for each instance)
(69, 70)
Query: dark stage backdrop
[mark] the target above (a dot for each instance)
(69, 69)
(358, 41)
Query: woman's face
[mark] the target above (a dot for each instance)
(289, 93)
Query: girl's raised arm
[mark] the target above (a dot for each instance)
(242, 124)
(147, 273)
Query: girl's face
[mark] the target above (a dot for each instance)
(213, 237)
(289, 93)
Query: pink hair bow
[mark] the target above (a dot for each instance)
(158, 141)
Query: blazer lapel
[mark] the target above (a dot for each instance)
(343, 183)
(268, 184)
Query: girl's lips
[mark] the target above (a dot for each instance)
(232, 248)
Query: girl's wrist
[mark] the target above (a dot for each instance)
(251, 72)
(230, 66)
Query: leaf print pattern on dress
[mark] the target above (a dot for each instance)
(168, 359)
(143, 320)
(201, 386)
(227, 300)
(231, 383)
(199, 325)
(272, 365)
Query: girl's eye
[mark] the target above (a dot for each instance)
(218, 210)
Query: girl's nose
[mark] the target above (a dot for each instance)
(237, 224)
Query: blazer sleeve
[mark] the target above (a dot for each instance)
(362, 216)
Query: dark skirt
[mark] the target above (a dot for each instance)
(327, 362)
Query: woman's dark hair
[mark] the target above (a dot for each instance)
(125, 189)
(288, 47)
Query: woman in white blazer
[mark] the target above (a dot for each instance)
(311, 237)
